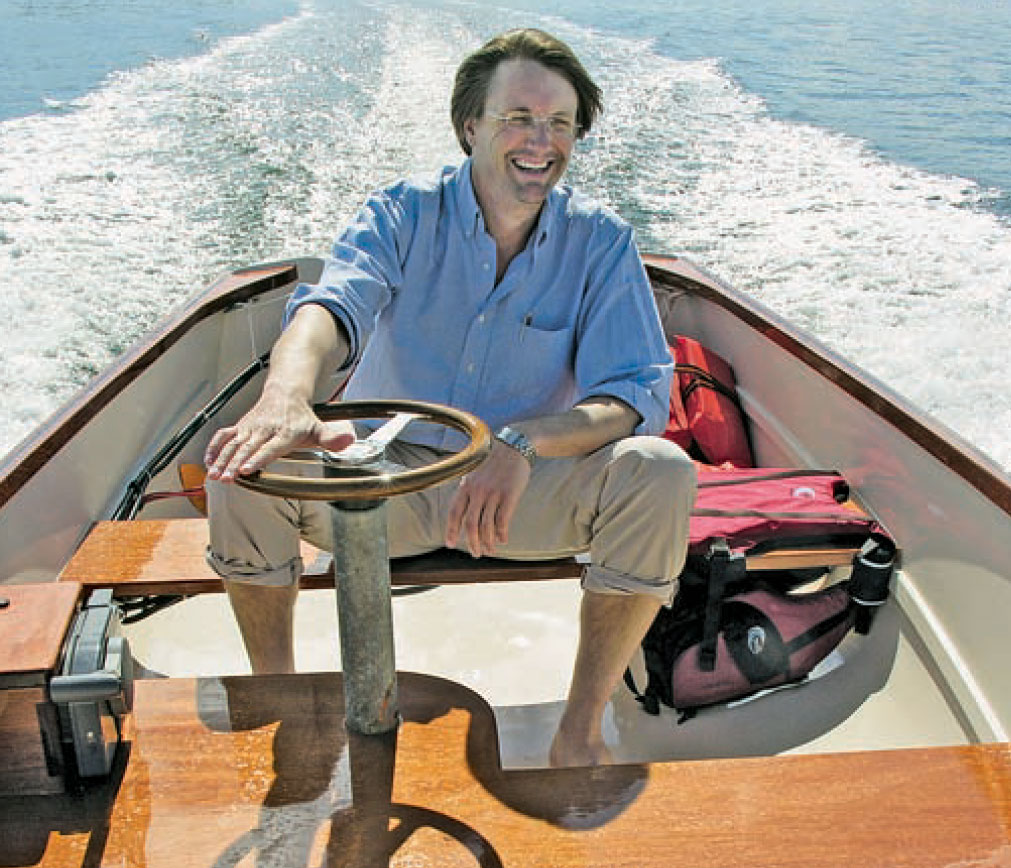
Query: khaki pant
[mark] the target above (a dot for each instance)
(627, 505)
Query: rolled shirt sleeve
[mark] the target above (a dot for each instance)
(621, 349)
(363, 272)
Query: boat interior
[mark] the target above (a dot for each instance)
(515, 648)
(485, 650)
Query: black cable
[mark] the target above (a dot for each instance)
(131, 502)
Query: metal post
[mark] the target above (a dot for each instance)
(365, 616)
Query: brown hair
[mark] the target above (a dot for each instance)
(470, 90)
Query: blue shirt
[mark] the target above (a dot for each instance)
(412, 280)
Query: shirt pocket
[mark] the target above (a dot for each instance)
(539, 371)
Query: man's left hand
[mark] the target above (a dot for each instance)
(485, 502)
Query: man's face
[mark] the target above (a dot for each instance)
(515, 168)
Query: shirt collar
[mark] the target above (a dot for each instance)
(471, 218)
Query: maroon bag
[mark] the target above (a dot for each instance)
(731, 633)
(762, 509)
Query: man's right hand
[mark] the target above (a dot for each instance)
(276, 425)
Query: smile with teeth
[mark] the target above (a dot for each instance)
(535, 166)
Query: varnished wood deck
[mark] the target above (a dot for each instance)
(258, 771)
(33, 621)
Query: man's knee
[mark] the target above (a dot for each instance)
(659, 464)
(644, 516)
(252, 539)
(610, 582)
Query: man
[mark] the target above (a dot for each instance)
(495, 290)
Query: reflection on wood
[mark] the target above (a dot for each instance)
(259, 771)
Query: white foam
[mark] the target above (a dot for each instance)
(114, 212)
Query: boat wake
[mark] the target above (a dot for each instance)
(116, 209)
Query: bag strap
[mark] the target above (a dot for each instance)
(702, 377)
(724, 567)
(818, 630)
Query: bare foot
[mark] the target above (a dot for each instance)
(569, 752)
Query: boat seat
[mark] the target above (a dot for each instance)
(166, 556)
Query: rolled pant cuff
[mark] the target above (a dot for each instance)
(237, 571)
(604, 580)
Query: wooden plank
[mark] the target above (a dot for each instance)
(33, 625)
(167, 557)
(258, 770)
(802, 559)
(29, 733)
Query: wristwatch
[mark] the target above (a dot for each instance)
(518, 441)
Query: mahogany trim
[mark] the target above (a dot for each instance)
(26, 459)
(166, 556)
(939, 441)
(33, 625)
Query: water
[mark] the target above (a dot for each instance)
(845, 163)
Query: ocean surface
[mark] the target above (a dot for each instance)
(849, 164)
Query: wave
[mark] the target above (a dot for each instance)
(262, 148)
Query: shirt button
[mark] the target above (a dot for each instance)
(486, 266)
(480, 319)
(470, 368)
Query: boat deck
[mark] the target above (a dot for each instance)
(883, 696)
(259, 771)
(225, 769)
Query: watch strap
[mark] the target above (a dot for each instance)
(518, 441)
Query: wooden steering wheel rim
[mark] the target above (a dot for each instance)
(376, 486)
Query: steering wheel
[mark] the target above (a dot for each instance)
(358, 479)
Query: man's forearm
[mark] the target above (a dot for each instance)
(312, 343)
(589, 425)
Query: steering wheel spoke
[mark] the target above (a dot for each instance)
(384, 436)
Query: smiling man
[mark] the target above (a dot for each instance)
(497, 290)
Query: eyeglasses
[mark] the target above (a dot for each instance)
(559, 127)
